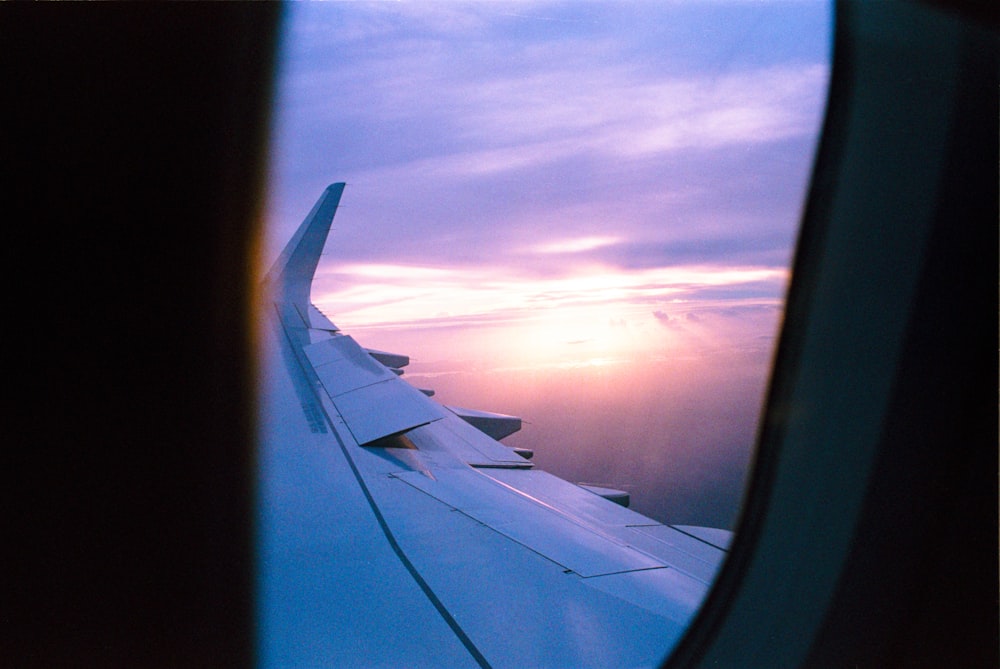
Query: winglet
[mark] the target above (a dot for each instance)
(291, 275)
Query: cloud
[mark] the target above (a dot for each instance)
(666, 320)
(562, 111)
(486, 123)
(358, 293)
(473, 138)
(576, 245)
(465, 88)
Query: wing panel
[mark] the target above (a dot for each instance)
(664, 543)
(710, 535)
(531, 523)
(583, 505)
(344, 366)
(684, 552)
(669, 593)
(522, 609)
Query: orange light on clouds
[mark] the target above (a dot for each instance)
(589, 318)
(382, 294)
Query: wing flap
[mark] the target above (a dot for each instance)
(395, 360)
(496, 425)
(619, 497)
(365, 410)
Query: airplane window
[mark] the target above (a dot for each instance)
(579, 214)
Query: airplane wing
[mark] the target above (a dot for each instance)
(395, 531)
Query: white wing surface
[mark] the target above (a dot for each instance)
(394, 533)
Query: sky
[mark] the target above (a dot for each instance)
(579, 213)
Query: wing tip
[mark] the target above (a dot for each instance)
(295, 267)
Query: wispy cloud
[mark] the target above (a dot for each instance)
(397, 294)
(471, 134)
(487, 121)
(478, 95)
(575, 245)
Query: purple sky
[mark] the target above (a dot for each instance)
(581, 213)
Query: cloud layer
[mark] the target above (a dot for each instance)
(469, 133)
